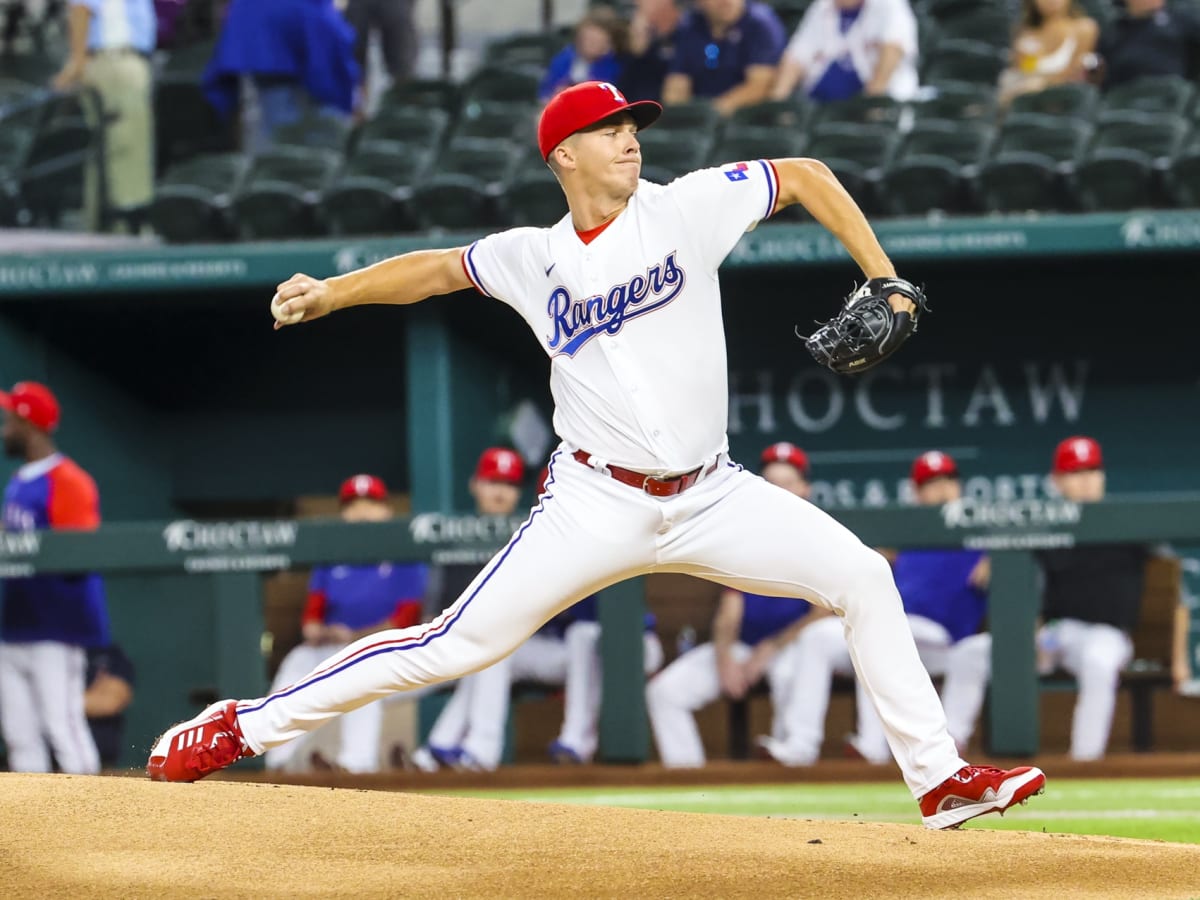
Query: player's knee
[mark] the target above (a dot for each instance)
(658, 694)
(871, 579)
(1099, 667)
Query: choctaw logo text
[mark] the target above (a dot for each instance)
(578, 321)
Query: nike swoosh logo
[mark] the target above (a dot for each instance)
(552, 265)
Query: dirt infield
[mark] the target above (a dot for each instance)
(127, 838)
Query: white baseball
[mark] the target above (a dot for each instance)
(284, 318)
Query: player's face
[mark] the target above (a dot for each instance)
(788, 477)
(495, 498)
(364, 509)
(609, 156)
(1051, 8)
(1081, 487)
(592, 41)
(15, 435)
(939, 491)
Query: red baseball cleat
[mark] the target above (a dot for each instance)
(975, 790)
(200, 746)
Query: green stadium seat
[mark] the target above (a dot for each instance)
(695, 118)
(280, 192)
(1181, 182)
(932, 166)
(1076, 99)
(664, 150)
(424, 93)
(373, 192)
(184, 123)
(32, 68)
(51, 177)
(531, 48)
(756, 143)
(991, 24)
(957, 100)
(314, 130)
(791, 115)
(1031, 158)
(857, 155)
(659, 174)
(863, 110)
(465, 190)
(959, 60)
(515, 121)
(1123, 164)
(420, 129)
(534, 198)
(499, 84)
(191, 200)
(1167, 95)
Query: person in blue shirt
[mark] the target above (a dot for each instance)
(110, 45)
(594, 54)
(726, 51)
(652, 32)
(345, 603)
(945, 599)
(753, 637)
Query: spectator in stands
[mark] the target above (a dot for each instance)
(47, 621)
(753, 636)
(1150, 37)
(945, 598)
(725, 51)
(345, 603)
(594, 55)
(298, 56)
(652, 34)
(392, 21)
(110, 682)
(1181, 657)
(110, 47)
(1091, 602)
(1055, 43)
(844, 48)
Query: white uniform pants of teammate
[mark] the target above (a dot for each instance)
(590, 531)
(692, 682)
(1095, 654)
(41, 708)
(358, 744)
(585, 676)
(965, 665)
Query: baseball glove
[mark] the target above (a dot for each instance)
(867, 330)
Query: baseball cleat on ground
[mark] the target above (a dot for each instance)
(976, 790)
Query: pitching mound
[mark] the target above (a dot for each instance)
(126, 837)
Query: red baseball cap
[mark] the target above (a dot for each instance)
(1077, 454)
(585, 104)
(933, 464)
(360, 487)
(789, 453)
(33, 402)
(500, 464)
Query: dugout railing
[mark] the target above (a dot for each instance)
(186, 596)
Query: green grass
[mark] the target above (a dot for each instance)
(1152, 809)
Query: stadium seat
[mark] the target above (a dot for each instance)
(932, 166)
(1076, 99)
(664, 150)
(464, 191)
(501, 84)
(957, 100)
(1166, 94)
(515, 121)
(534, 198)
(314, 130)
(420, 129)
(1127, 155)
(990, 24)
(756, 143)
(864, 110)
(184, 123)
(51, 176)
(959, 60)
(1030, 161)
(279, 194)
(695, 118)
(1182, 181)
(425, 93)
(787, 115)
(191, 200)
(32, 68)
(856, 154)
(530, 48)
(373, 192)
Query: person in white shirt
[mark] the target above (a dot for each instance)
(623, 296)
(844, 48)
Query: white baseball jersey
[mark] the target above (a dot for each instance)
(632, 322)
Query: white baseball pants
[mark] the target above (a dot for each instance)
(477, 713)
(41, 708)
(589, 531)
(692, 682)
(1095, 654)
(360, 729)
(584, 684)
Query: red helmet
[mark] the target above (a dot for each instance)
(789, 453)
(500, 464)
(369, 487)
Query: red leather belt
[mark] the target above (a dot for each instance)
(656, 487)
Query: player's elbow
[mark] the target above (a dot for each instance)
(801, 178)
